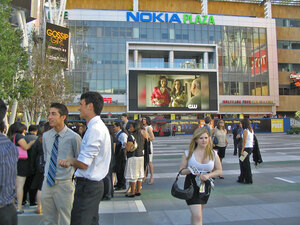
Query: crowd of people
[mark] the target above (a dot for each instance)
(100, 159)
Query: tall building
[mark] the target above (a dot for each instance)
(244, 56)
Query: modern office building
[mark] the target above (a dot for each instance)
(245, 55)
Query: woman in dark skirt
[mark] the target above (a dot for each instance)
(199, 163)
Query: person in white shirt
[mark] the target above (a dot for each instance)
(247, 148)
(92, 163)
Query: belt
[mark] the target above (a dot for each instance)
(82, 179)
(2, 206)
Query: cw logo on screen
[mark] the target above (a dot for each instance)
(191, 106)
(57, 37)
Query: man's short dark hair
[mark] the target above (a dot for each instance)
(62, 109)
(207, 119)
(33, 128)
(125, 115)
(3, 109)
(95, 98)
(118, 124)
(2, 126)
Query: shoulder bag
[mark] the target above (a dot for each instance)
(185, 194)
(134, 146)
(215, 140)
(22, 152)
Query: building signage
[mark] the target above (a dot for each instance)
(57, 43)
(295, 76)
(277, 125)
(259, 63)
(169, 18)
(247, 102)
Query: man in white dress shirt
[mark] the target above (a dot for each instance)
(92, 162)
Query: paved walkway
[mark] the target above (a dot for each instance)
(273, 199)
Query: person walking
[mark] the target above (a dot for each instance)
(151, 137)
(235, 139)
(247, 148)
(201, 157)
(58, 188)
(8, 173)
(92, 163)
(220, 133)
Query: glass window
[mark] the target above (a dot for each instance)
(99, 31)
(294, 23)
(172, 34)
(136, 32)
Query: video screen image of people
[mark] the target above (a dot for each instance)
(173, 91)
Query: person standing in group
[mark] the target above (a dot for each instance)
(16, 133)
(120, 155)
(58, 188)
(8, 173)
(151, 137)
(220, 133)
(134, 172)
(201, 157)
(247, 148)
(92, 163)
(124, 119)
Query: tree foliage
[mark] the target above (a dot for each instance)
(13, 57)
(297, 115)
(48, 81)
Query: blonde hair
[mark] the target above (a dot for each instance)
(193, 144)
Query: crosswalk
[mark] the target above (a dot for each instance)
(167, 154)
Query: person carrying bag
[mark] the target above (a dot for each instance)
(200, 164)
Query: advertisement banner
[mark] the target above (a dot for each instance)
(277, 125)
(57, 43)
(172, 92)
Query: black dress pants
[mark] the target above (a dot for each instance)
(120, 170)
(245, 167)
(87, 197)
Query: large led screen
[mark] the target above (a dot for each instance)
(172, 91)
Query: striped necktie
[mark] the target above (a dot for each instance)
(52, 164)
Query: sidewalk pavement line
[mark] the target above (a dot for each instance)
(289, 181)
(140, 206)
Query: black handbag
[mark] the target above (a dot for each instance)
(185, 194)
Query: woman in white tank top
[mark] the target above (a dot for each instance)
(201, 157)
(247, 148)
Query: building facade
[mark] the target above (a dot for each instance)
(245, 54)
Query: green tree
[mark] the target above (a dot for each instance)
(13, 58)
(48, 82)
(297, 115)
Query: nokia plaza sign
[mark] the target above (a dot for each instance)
(169, 18)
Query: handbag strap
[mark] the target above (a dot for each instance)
(179, 173)
(15, 139)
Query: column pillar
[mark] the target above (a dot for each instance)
(135, 58)
(171, 59)
(205, 60)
